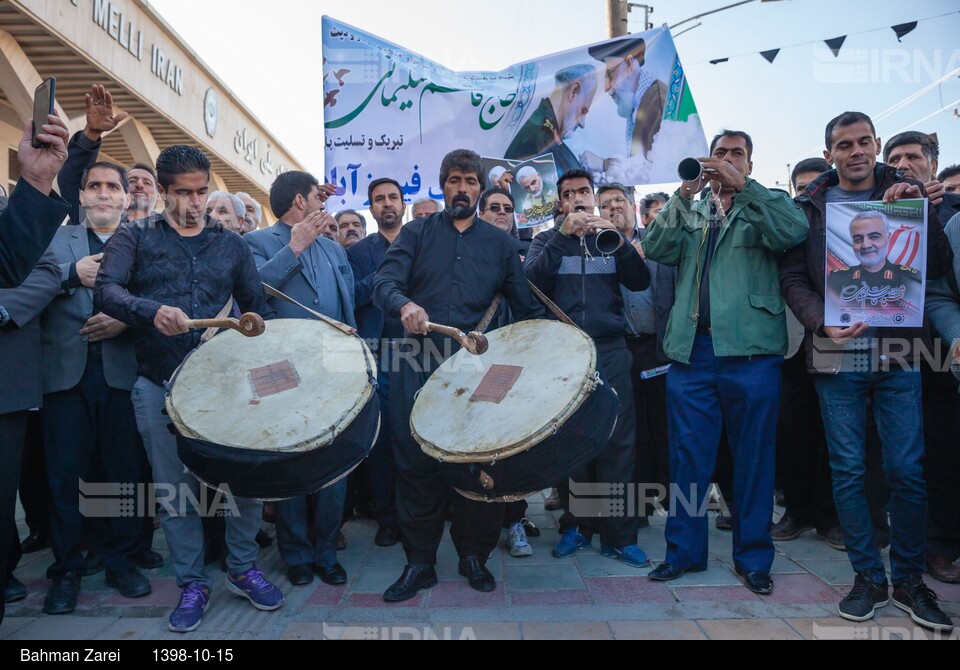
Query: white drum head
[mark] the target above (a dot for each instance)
(535, 375)
(294, 388)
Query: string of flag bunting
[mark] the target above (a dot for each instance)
(835, 44)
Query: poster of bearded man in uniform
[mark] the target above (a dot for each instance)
(876, 263)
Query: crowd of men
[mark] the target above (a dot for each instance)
(707, 316)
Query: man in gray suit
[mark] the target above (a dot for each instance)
(89, 369)
(293, 256)
(20, 390)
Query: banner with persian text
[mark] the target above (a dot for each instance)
(621, 109)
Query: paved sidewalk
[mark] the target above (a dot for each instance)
(585, 597)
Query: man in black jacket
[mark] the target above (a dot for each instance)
(445, 268)
(566, 264)
(382, 334)
(157, 274)
(20, 391)
(891, 380)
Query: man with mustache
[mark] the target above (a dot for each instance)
(353, 227)
(382, 333)
(446, 268)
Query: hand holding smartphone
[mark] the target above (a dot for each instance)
(44, 104)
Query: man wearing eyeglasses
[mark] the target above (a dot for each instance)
(496, 208)
(567, 266)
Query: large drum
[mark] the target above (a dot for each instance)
(522, 417)
(276, 416)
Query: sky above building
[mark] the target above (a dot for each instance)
(269, 54)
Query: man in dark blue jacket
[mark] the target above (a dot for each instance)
(382, 334)
(566, 264)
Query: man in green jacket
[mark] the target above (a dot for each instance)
(727, 335)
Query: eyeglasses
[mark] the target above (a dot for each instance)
(496, 209)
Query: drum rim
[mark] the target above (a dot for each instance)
(552, 427)
(512, 498)
(319, 441)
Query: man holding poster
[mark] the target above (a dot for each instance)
(862, 368)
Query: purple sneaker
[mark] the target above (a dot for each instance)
(193, 603)
(253, 586)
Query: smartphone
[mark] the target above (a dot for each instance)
(44, 101)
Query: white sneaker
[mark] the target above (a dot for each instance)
(519, 547)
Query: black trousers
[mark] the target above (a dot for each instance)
(802, 458)
(616, 463)
(650, 405)
(941, 418)
(34, 492)
(89, 422)
(422, 493)
(13, 428)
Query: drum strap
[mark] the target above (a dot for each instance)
(488, 317)
(210, 332)
(557, 312)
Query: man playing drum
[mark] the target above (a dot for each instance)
(447, 267)
(156, 274)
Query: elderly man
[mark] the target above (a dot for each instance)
(254, 212)
(424, 207)
(916, 155)
(639, 96)
(557, 118)
(228, 210)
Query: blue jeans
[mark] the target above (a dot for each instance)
(179, 518)
(897, 410)
(744, 392)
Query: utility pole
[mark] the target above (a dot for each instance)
(617, 18)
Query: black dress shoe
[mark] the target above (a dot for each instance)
(35, 542)
(130, 584)
(264, 539)
(665, 572)
(300, 575)
(335, 576)
(477, 574)
(62, 596)
(148, 560)
(15, 591)
(411, 581)
(760, 583)
(387, 536)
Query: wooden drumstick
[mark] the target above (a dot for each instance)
(250, 325)
(475, 343)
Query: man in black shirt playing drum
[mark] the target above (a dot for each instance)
(445, 268)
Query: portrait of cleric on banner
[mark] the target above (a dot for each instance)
(621, 109)
(876, 263)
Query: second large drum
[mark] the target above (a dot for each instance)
(522, 417)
